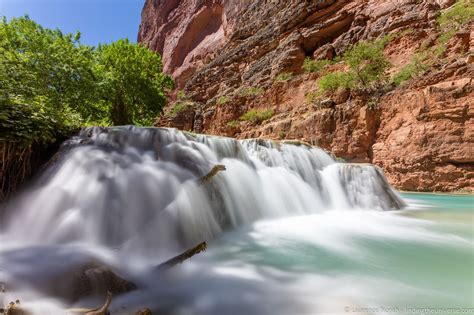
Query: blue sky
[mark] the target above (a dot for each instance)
(99, 21)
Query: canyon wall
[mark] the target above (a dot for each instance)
(230, 56)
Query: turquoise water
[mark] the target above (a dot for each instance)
(416, 261)
(419, 260)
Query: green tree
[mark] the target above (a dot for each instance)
(367, 62)
(45, 68)
(367, 65)
(132, 84)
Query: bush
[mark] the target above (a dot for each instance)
(251, 91)
(284, 77)
(367, 62)
(335, 80)
(233, 124)
(451, 20)
(413, 69)
(178, 108)
(367, 66)
(24, 124)
(257, 116)
(181, 95)
(457, 15)
(312, 66)
(221, 100)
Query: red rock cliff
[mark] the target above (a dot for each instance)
(228, 56)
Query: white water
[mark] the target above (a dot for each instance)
(130, 198)
(137, 189)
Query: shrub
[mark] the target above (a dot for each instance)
(221, 100)
(334, 81)
(233, 124)
(451, 20)
(367, 65)
(181, 95)
(414, 68)
(178, 108)
(367, 62)
(257, 116)
(311, 66)
(312, 96)
(284, 77)
(457, 15)
(251, 91)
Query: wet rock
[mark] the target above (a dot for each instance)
(15, 308)
(90, 280)
(144, 311)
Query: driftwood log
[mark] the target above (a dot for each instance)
(103, 310)
(213, 172)
(182, 257)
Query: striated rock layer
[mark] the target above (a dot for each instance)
(228, 57)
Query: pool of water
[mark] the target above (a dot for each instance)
(416, 261)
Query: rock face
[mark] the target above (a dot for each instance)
(230, 56)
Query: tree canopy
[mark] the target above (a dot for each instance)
(49, 79)
(132, 84)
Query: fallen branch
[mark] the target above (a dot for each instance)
(182, 257)
(216, 169)
(102, 310)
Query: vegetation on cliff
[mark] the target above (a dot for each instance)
(257, 116)
(367, 65)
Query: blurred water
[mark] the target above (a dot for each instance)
(289, 230)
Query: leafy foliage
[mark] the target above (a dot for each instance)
(233, 124)
(49, 82)
(367, 62)
(257, 116)
(312, 66)
(457, 15)
(413, 69)
(451, 20)
(221, 100)
(284, 77)
(181, 95)
(178, 108)
(336, 80)
(251, 91)
(367, 65)
(46, 69)
(132, 82)
(22, 124)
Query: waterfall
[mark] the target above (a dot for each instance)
(138, 189)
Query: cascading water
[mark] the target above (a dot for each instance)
(132, 197)
(137, 188)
